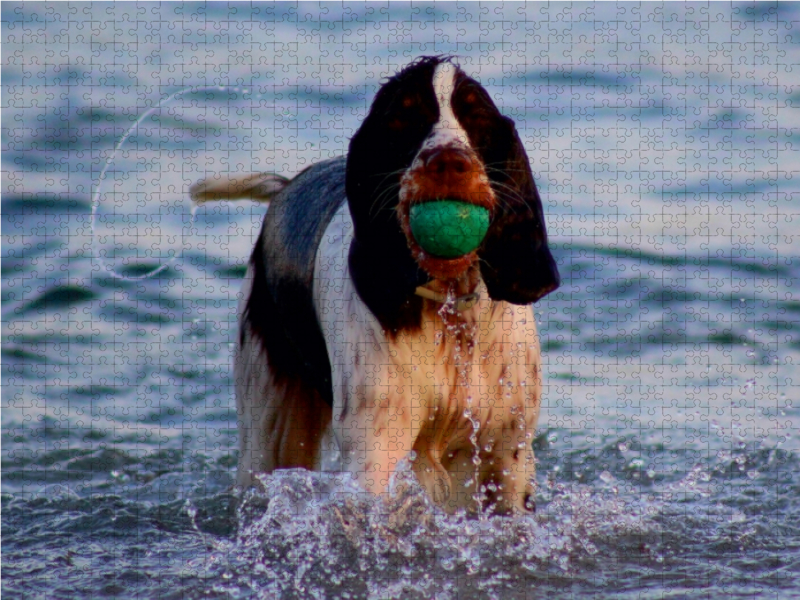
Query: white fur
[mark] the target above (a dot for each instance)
(251, 375)
(393, 394)
(447, 131)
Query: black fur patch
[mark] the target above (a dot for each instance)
(400, 118)
(280, 310)
(516, 263)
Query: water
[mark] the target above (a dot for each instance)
(663, 139)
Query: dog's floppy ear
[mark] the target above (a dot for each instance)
(516, 263)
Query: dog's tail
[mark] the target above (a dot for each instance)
(261, 187)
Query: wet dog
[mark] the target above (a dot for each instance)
(357, 347)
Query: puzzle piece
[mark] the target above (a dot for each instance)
(661, 138)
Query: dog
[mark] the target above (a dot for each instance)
(358, 348)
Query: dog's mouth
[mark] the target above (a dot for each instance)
(445, 234)
(445, 211)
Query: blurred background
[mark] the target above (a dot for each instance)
(664, 141)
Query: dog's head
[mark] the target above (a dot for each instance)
(433, 133)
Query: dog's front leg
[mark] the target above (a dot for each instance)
(375, 431)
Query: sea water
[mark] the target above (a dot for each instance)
(663, 140)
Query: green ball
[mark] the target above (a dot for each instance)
(449, 228)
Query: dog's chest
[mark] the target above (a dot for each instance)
(479, 365)
(484, 360)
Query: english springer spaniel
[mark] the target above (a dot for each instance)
(357, 347)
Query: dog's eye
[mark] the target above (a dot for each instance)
(476, 114)
(470, 104)
(408, 115)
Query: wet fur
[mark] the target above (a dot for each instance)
(340, 364)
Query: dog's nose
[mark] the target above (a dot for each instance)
(447, 160)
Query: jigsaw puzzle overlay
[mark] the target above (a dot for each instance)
(663, 139)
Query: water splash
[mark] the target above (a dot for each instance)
(464, 334)
(319, 535)
(98, 195)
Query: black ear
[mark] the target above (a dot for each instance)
(516, 263)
